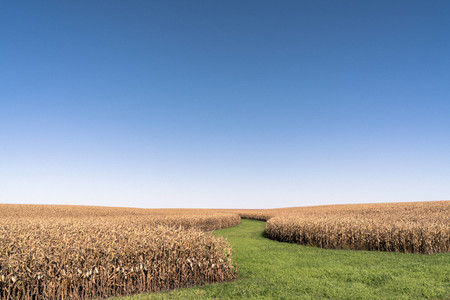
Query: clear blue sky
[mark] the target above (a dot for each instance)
(246, 104)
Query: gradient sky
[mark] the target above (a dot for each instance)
(224, 104)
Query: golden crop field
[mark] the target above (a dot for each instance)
(76, 252)
(80, 252)
(413, 227)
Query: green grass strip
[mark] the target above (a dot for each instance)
(273, 270)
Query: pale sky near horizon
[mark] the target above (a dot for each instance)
(224, 104)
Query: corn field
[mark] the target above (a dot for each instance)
(61, 252)
(413, 227)
(78, 252)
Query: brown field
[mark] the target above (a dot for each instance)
(413, 227)
(79, 252)
(76, 252)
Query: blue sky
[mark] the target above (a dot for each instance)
(227, 104)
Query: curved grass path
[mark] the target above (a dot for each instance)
(274, 270)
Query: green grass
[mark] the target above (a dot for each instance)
(274, 270)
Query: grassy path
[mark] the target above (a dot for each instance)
(274, 270)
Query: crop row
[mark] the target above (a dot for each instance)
(360, 234)
(413, 227)
(64, 257)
